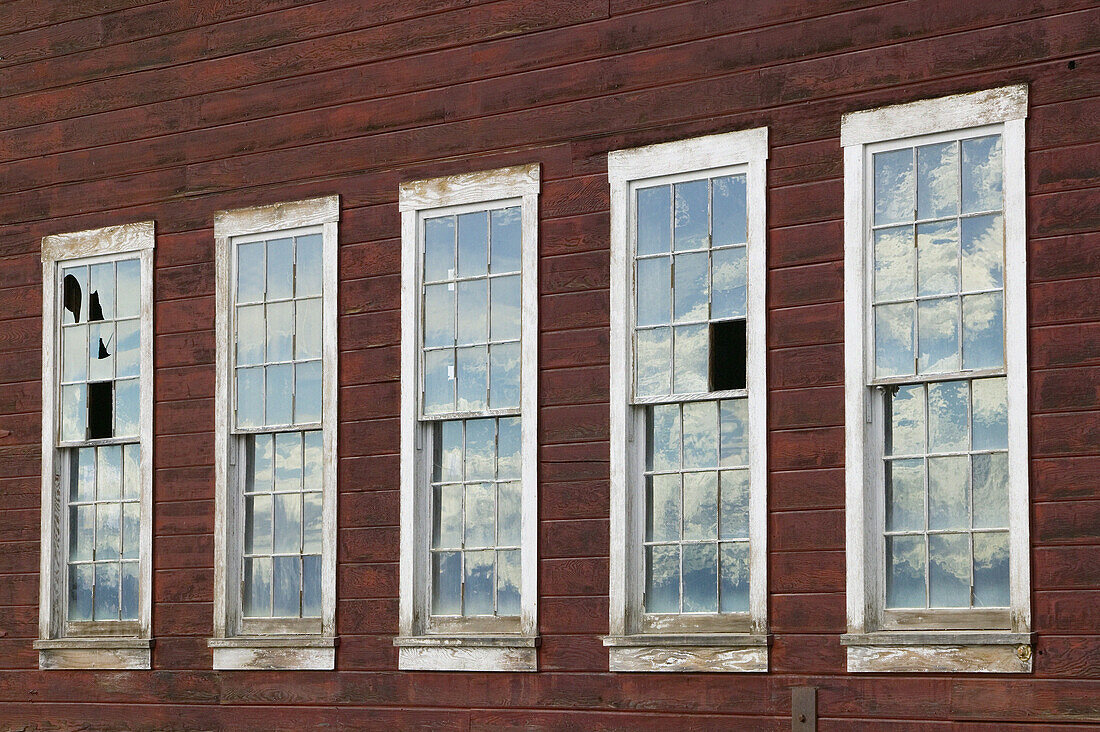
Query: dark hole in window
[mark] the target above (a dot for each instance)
(727, 355)
(100, 409)
(103, 352)
(72, 296)
(95, 309)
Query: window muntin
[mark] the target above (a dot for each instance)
(277, 367)
(937, 297)
(470, 357)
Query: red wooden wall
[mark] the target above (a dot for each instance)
(117, 111)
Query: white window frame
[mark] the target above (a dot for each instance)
(631, 648)
(922, 647)
(297, 645)
(418, 647)
(102, 644)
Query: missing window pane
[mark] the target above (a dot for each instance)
(100, 409)
(728, 348)
(72, 296)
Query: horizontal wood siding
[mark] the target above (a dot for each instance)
(115, 111)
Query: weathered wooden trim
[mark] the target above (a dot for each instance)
(747, 149)
(481, 186)
(133, 237)
(937, 638)
(723, 659)
(97, 657)
(467, 641)
(986, 107)
(910, 658)
(467, 658)
(277, 216)
(691, 639)
(282, 658)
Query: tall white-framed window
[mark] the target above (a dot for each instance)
(688, 405)
(469, 440)
(97, 441)
(275, 436)
(936, 385)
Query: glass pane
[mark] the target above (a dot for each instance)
(701, 505)
(288, 523)
(654, 220)
(990, 427)
(505, 238)
(101, 288)
(728, 218)
(734, 416)
(447, 517)
(663, 445)
(280, 331)
(480, 449)
(701, 434)
(938, 335)
(894, 339)
(663, 508)
(480, 515)
(128, 292)
(257, 583)
(472, 383)
(288, 584)
(278, 394)
(313, 459)
(74, 353)
(735, 504)
(82, 486)
(479, 583)
(108, 473)
(894, 194)
(127, 407)
(257, 524)
(74, 295)
(307, 329)
(131, 534)
(108, 534)
(473, 244)
(700, 578)
(131, 471)
(74, 412)
(307, 392)
(106, 592)
(690, 286)
(128, 355)
(439, 248)
(288, 461)
(250, 272)
(311, 523)
(981, 174)
(508, 581)
(983, 331)
(906, 429)
(905, 571)
(990, 490)
(734, 577)
(473, 312)
(449, 441)
(508, 514)
(652, 362)
(439, 315)
(504, 376)
(938, 258)
(81, 577)
(729, 274)
(982, 253)
(948, 502)
(947, 416)
(654, 291)
(250, 397)
(508, 447)
(949, 570)
(101, 351)
(311, 586)
(260, 461)
(504, 308)
(129, 609)
(991, 570)
(447, 583)
(662, 579)
(280, 261)
(691, 223)
(905, 495)
(937, 180)
(692, 362)
(81, 533)
(439, 382)
(894, 265)
(308, 262)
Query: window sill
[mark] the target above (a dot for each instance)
(719, 652)
(267, 653)
(998, 652)
(94, 653)
(467, 653)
